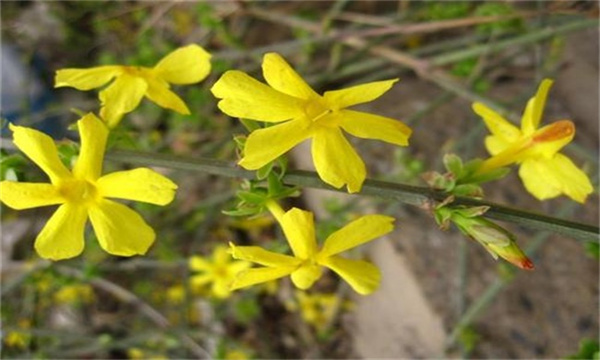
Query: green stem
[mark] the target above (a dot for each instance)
(413, 195)
(275, 209)
(528, 38)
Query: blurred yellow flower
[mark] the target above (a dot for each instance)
(545, 172)
(18, 338)
(305, 266)
(219, 271)
(84, 193)
(186, 65)
(176, 294)
(317, 309)
(71, 294)
(135, 353)
(236, 355)
(303, 114)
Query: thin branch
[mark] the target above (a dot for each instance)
(413, 195)
(130, 298)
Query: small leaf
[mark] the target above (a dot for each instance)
(251, 197)
(244, 212)
(264, 171)
(454, 165)
(470, 190)
(473, 211)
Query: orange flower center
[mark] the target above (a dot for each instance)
(556, 131)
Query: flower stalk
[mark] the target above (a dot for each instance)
(408, 194)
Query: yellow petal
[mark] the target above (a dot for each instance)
(158, 91)
(121, 97)
(221, 288)
(237, 266)
(545, 142)
(93, 133)
(548, 178)
(120, 230)
(299, 229)
(29, 195)
(359, 94)
(362, 276)
(40, 148)
(369, 126)
(551, 138)
(281, 77)
(535, 107)
(198, 263)
(86, 79)
(264, 257)
(62, 236)
(306, 275)
(221, 255)
(265, 145)
(257, 276)
(247, 98)
(141, 184)
(186, 65)
(496, 124)
(336, 161)
(197, 281)
(496, 144)
(356, 233)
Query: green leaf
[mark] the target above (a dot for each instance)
(470, 190)
(250, 125)
(244, 212)
(252, 197)
(275, 186)
(588, 349)
(264, 171)
(592, 249)
(492, 175)
(473, 211)
(453, 164)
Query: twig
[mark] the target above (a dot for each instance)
(412, 195)
(129, 298)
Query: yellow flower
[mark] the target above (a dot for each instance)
(186, 65)
(72, 294)
(220, 271)
(317, 310)
(303, 114)
(236, 355)
(305, 266)
(545, 172)
(135, 353)
(83, 193)
(17, 339)
(176, 294)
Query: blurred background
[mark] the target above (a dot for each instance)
(442, 296)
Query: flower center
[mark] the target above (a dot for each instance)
(221, 271)
(78, 191)
(319, 114)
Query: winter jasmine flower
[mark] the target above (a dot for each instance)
(129, 84)
(83, 193)
(545, 172)
(299, 113)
